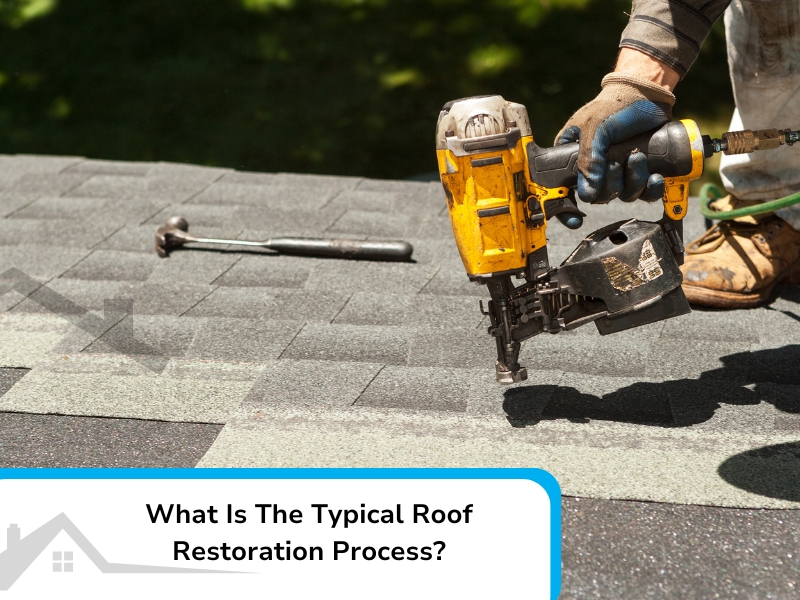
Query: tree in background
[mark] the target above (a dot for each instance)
(349, 87)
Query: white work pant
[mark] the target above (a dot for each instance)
(764, 58)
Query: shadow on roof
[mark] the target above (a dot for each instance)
(745, 378)
(769, 471)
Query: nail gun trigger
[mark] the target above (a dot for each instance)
(484, 312)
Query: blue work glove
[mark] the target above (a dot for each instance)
(626, 107)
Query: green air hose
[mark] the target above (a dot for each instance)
(709, 192)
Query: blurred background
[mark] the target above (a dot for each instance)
(345, 87)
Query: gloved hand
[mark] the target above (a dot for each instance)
(627, 106)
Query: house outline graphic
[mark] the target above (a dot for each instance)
(21, 552)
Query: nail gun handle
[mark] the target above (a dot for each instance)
(668, 150)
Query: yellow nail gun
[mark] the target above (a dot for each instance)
(501, 191)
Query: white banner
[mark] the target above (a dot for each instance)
(280, 538)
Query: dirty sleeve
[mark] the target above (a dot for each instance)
(671, 30)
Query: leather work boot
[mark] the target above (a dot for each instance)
(737, 264)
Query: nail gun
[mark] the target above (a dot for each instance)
(502, 188)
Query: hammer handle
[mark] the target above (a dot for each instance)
(353, 249)
(167, 238)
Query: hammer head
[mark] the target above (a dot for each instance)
(172, 235)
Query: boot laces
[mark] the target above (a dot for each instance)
(720, 232)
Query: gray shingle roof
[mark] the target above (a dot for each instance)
(312, 362)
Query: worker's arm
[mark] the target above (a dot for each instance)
(634, 62)
(660, 43)
(671, 31)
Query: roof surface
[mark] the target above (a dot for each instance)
(276, 361)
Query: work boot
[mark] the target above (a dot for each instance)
(737, 263)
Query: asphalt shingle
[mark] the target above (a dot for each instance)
(268, 271)
(311, 383)
(86, 442)
(111, 167)
(669, 359)
(252, 302)
(366, 308)
(224, 193)
(586, 351)
(147, 335)
(113, 265)
(114, 385)
(248, 178)
(434, 251)
(40, 262)
(54, 232)
(461, 349)
(21, 164)
(53, 207)
(385, 345)
(87, 295)
(715, 326)
(376, 225)
(192, 267)
(355, 276)
(47, 184)
(165, 188)
(324, 362)
(380, 202)
(242, 340)
(436, 312)
(25, 340)
(110, 213)
(12, 202)
(617, 549)
(271, 303)
(236, 218)
(316, 181)
(164, 298)
(450, 280)
(418, 388)
(410, 188)
(10, 376)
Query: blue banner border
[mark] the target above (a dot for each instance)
(538, 476)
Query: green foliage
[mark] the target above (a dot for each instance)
(264, 6)
(530, 12)
(18, 12)
(326, 86)
(393, 79)
(493, 59)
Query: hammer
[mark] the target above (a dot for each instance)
(174, 234)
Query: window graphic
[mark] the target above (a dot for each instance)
(62, 562)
